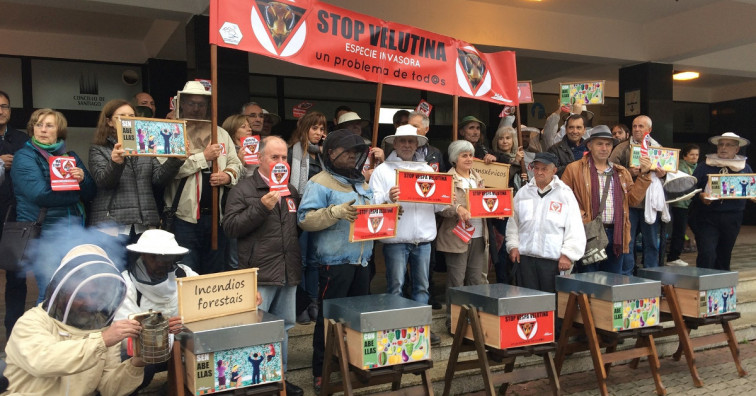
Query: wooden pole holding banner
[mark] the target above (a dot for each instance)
(214, 137)
(455, 114)
(378, 98)
(519, 139)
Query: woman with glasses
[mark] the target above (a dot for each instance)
(125, 185)
(31, 174)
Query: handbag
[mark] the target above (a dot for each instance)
(595, 234)
(15, 240)
(168, 217)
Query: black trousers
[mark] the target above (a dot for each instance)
(677, 240)
(716, 233)
(336, 281)
(537, 273)
(15, 299)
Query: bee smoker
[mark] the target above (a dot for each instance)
(154, 339)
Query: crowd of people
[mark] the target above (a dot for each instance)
(565, 178)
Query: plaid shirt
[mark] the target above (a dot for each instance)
(607, 217)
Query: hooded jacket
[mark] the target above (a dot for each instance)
(418, 221)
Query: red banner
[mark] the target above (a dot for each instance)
(425, 187)
(61, 178)
(374, 222)
(321, 36)
(526, 329)
(489, 202)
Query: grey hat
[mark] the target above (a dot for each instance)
(600, 131)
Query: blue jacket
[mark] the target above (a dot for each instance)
(702, 172)
(31, 185)
(330, 236)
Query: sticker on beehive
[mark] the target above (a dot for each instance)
(390, 347)
(634, 314)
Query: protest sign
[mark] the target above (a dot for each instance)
(61, 178)
(374, 222)
(489, 202)
(152, 137)
(588, 92)
(279, 178)
(424, 108)
(319, 35)
(525, 92)
(464, 231)
(425, 187)
(214, 295)
(495, 174)
(732, 186)
(251, 149)
(661, 157)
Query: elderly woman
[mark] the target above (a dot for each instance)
(716, 222)
(31, 179)
(305, 159)
(239, 129)
(465, 260)
(125, 184)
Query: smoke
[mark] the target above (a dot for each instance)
(43, 255)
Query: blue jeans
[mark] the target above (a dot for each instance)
(310, 267)
(397, 255)
(614, 263)
(280, 301)
(650, 234)
(196, 237)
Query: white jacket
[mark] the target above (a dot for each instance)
(546, 227)
(418, 222)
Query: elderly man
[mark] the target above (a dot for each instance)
(417, 226)
(144, 99)
(716, 223)
(192, 187)
(255, 117)
(265, 223)
(326, 212)
(545, 234)
(572, 147)
(589, 178)
(11, 140)
(649, 228)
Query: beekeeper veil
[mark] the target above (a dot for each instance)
(85, 290)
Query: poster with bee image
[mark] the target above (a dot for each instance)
(586, 93)
(374, 222)
(425, 187)
(732, 186)
(152, 137)
(489, 202)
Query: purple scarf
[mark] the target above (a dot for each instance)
(618, 200)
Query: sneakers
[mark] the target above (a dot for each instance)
(435, 339)
(677, 263)
(317, 383)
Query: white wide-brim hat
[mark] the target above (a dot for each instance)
(351, 116)
(194, 88)
(407, 130)
(157, 242)
(274, 118)
(679, 186)
(742, 142)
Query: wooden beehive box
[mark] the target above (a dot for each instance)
(701, 292)
(510, 316)
(382, 330)
(618, 302)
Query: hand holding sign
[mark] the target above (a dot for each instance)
(64, 175)
(270, 199)
(345, 211)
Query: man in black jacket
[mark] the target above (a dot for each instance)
(11, 140)
(265, 222)
(572, 147)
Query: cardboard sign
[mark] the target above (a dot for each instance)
(489, 202)
(526, 329)
(425, 187)
(61, 178)
(424, 108)
(732, 186)
(251, 149)
(588, 92)
(374, 222)
(214, 295)
(495, 174)
(319, 35)
(525, 92)
(152, 137)
(464, 230)
(279, 178)
(661, 157)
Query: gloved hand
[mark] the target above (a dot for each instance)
(345, 211)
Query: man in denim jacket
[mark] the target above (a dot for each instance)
(326, 211)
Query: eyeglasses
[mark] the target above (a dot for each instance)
(45, 126)
(5, 107)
